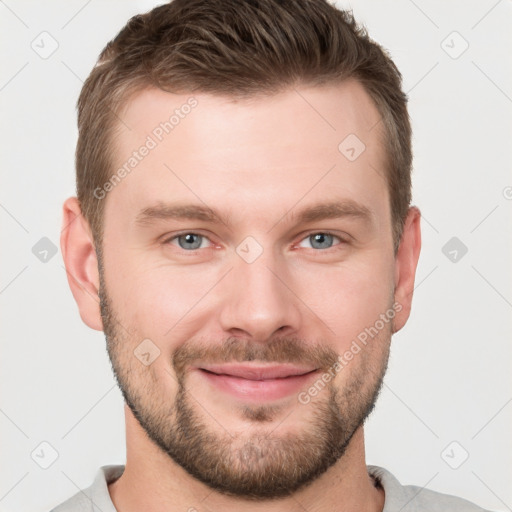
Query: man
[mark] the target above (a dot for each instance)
(244, 237)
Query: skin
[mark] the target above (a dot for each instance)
(257, 162)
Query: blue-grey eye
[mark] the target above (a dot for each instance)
(190, 241)
(320, 240)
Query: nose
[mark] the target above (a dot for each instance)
(259, 301)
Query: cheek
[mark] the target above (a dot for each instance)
(348, 298)
(163, 302)
(159, 301)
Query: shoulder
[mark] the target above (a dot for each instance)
(77, 503)
(411, 498)
(96, 497)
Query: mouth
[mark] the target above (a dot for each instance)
(257, 382)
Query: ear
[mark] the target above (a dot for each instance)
(77, 247)
(406, 261)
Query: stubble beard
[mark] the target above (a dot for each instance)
(265, 462)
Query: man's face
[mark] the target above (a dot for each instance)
(186, 301)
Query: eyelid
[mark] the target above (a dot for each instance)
(304, 236)
(169, 239)
(342, 239)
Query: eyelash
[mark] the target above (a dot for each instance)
(194, 251)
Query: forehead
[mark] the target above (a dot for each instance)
(264, 153)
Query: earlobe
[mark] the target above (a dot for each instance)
(78, 251)
(406, 262)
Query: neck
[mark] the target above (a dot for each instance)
(153, 481)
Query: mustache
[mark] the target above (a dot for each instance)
(284, 350)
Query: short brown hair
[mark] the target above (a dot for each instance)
(239, 48)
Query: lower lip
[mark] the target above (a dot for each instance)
(258, 390)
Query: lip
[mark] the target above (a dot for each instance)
(257, 382)
(257, 372)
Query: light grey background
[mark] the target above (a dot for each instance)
(450, 369)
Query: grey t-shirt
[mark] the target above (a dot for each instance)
(398, 497)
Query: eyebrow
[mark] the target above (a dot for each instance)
(321, 211)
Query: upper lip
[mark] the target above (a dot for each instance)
(257, 372)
